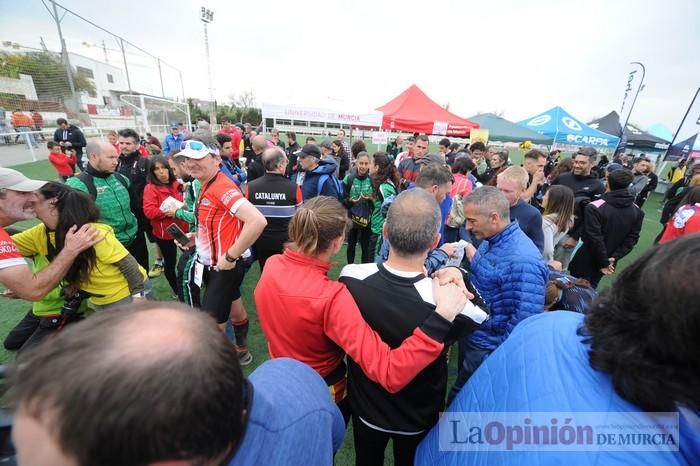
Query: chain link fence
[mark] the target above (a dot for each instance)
(88, 75)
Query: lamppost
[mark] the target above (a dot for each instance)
(207, 17)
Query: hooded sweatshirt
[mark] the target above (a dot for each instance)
(309, 187)
(611, 228)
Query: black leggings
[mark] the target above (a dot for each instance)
(139, 249)
(375, 245)
(357, 233)
(370, 445)
(30, 331)
(169, 251)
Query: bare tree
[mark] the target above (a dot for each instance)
(243, 101)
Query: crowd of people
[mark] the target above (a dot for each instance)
(463, 255)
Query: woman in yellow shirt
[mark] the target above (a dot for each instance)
(106, 272)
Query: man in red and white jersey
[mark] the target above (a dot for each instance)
(227, 225)
(17, 200)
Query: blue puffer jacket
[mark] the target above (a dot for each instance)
(309, 187)
(543, 367)
(511, 276)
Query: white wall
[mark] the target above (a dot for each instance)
(102, 85)
(22, 86)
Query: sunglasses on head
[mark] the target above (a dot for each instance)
(197, 146)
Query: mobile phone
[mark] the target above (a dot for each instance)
(178, 234)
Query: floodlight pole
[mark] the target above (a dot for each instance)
(207, 17)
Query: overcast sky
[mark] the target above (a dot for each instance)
(519, 57)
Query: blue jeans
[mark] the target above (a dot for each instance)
(469, 358)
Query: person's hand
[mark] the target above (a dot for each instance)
(448, 275)
(78, 240)
(449, 299)
(223, 264)
(68, 143)
(469, 251)
(171, 212)
(569, 243)
(610, 269)
(556, 265)
(189, 244)
(538, 177)
(449, 249)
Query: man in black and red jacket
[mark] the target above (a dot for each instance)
(611, 226)
(394, 298)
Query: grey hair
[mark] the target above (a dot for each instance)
(203, 124)
(207, 138)
(412, 222)
(272, 157)
(489, 199)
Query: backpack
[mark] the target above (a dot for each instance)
(339, 189)
(89, 181)
(456, 218)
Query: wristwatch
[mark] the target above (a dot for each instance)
(229, 258)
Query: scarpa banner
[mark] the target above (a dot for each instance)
(687, 134)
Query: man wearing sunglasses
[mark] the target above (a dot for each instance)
(227, 224)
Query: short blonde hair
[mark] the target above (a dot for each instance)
(517, 175)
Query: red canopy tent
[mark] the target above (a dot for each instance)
(413, 111)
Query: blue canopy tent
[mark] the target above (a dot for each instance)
(561, 128)
(503, 130)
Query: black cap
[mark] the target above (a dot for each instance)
(310, 149)
(588, 151)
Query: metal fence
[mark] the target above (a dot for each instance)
(81, 72)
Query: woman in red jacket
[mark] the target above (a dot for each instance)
(307, 316)
(163, 185)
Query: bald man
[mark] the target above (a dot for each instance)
(110, 191)
(394, 298)
(169, 380)
(256, 169)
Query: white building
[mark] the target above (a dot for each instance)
(107, 78)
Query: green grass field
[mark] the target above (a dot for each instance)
(13, 310)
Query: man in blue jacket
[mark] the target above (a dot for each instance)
(172, 141)
(318, 178)
(507, 270)
(512, 183)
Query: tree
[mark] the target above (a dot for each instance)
(244, 102)
(47, 72)
(196, 112)
(83, 83)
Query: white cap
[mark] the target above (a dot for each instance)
(15, 181)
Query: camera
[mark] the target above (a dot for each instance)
(72, 304)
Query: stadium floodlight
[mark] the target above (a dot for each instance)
(207, 15)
